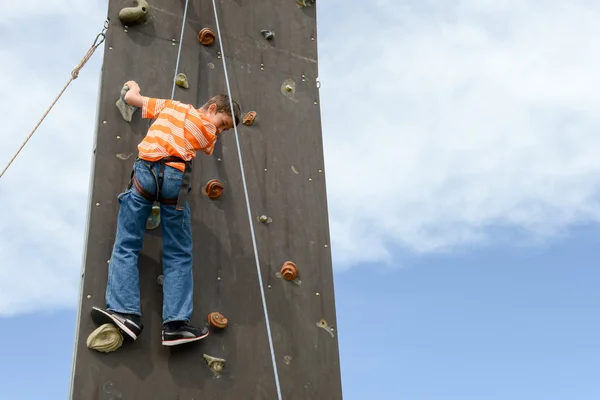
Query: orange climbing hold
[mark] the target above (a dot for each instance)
(289, 271)
(206, 36)
(249, 118)
(217, 320)
(213, 189)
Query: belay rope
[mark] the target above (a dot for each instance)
(251, 222)
(74, 75)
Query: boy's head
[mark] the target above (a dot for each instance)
(218, 111)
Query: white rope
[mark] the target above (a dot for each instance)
(179, 51)
(237, 142)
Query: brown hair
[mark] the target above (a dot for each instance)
(222, 102)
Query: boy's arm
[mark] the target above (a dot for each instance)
(133, 96)
(150, 107)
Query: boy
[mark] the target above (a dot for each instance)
(162, 172)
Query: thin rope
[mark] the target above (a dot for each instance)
(237, 141)
(179, 51)
(74, 75)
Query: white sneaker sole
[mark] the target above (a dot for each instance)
(118, 323)
(182, 341)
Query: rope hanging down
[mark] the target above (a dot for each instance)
(251, 222)
(74, 75)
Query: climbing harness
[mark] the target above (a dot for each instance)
(157, 196)
(250, 220)
(74, 75)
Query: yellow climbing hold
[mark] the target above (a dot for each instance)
(105, 338)
(182, 81)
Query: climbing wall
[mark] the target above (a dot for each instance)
(291, 350)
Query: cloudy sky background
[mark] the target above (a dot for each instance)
(478, 127)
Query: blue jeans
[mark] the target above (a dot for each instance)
(123, 286)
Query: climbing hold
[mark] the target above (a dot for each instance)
(153, 220)
(289, 271)
(125, 109)
(138, 13)
(105, 338)
(213, 189)
(124, 156)
(305, 3)
(182, 81)
(217, 320)
(160, 279)
(268, 34)
(288, 88)
(264, 219)
(216, 364)
(324, 325)
(206, 36)
(249, 118)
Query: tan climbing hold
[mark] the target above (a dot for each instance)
(213, 189)
(249, 118)
(289, 271)
(105, 339)
(206, 36)
(216, 364)
(137, 13)
(217, 320)
(182, 81)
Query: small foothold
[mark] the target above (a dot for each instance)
(305, 3)
(118, 137)
(213, 189)
(89, 296)
(249, 118)
(216, 364)
(268, 34)
(263, 218)
(288, 89)
(287, 359)
(289, 271)
(323, 324)
(105, 338)
(206, 36)
(182, 81)
(217, 320)
(153, 220)
(138, 13)
(124, 156)
(160, 279)
(97, 204)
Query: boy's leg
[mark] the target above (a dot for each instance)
(123, 287)
(177, 259)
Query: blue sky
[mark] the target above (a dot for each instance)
(477, 255)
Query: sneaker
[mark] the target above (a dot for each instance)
(175, 333)
(128, 324)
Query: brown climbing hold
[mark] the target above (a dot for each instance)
(289, 271)
(217, 320)
(206, 36)
(213, 189)
(249, 118)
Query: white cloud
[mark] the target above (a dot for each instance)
(464, 116)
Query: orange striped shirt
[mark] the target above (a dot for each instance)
(179, 130)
